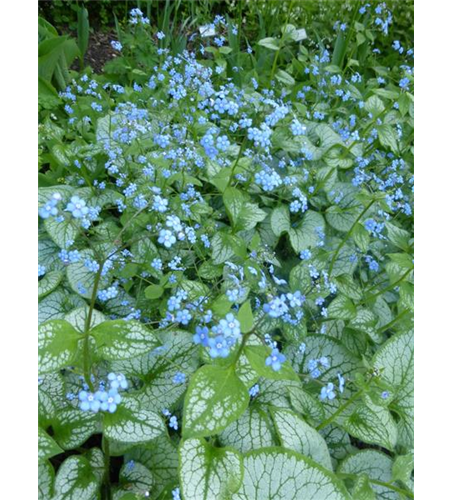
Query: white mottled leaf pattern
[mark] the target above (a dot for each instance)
(215, 398)
(48, 283)
(277, 474)
(72, 427)
(47, 447)
(297, 435)
(46, 477)
(75, 480)
(207, 472)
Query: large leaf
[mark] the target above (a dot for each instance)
(47, 447)
(278, 474)
(72, 427)
(215, 398)
(75, 480)
(305, 235)
(208, 472)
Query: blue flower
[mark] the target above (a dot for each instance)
(341, 382)
(327, 392)
(218, 347)
(173, 422)
(179, 378)
(166, 238)
(50, 207)
(116, 45)
(183, 316)
(201, 336)
(275, 360)
(230, 326)
(77, 207)
(254, 391)
(176, 494)
(117, 381)
(41, 270)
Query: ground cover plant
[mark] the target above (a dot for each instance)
(226, 259)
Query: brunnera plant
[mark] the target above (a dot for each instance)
(226, 271)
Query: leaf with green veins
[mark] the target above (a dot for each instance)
(81, 278)
(62, 233)
(120, 339)
(215, 398)
(372, 424)
(96, 459)
(374, 105)
(251, 431)
(362, 489)
(208, 472)
(136, 479)
(279, 474)
(72, 427)
(295, 434)
(305, 235)
(299, 278)
(395, 361)
(257, 355)
(366, 321)
(48, 283)
(46, 478)
(153, 292)
(342, 308)
(376, 466)
(77, 318)
(305, 404)
(57, 304)
(57, 345)
(131, 423)
(280, 220)
(388, 137)
(51, 391)
(47, 447)
(402, 469)
(224, 246)
(243, 214)
(161, 457)
(245, 317)
(75, 480)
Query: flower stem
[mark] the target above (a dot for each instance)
(339, 411)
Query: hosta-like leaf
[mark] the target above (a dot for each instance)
(48, 283)
(251, 431)
(215, 398)
(306, 234)
(376, 466)
(75, 480)
(132, 424)
(81, 278)
(295, 434)
(120, 339)
(47, 447)
(280, 220)
(72, 427)
(208, 472)
(57, 345)
(278, 474)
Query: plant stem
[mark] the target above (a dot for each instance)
(391, 285)
(106, 482)
(390, 486)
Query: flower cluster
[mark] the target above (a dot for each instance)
(106, 398)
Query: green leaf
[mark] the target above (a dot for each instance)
(342, 308)
(295, 434)
(208, 472)
(362, 489)
(372, 424)
(137, 479)
(269, 43)
(47, 447)
(46, 478)
(305, 404)
(245, 317)
(376, 466)
(305, 235)
(81, 278)
(280, 220)
(132, 424)
(224, 246)
(402, 468)
(388, 137)
(72, 427)
(279, 474)
(374, 105)
(75, 480)
(252, 430)
(215, 398)
(48, 283)
(257, 354)
(153, 292)
(121, 339)
(57, 345)
(62, 233)
(285, 77)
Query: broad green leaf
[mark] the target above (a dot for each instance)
(51, 392)
(245, 317)
(62, 233)
(132, 424)
(402, 469)
(279, 474)
(251, 431)
(81, 278)
(388, 137)
(362, 490)
(372, 424)
(72, 427)
(208, 472)
(135, 479)
(280, 220)
(153, 292)
(47, 447)
(48, 283)
(295, 434)
(269, 43)
(46, 478)
(257, 354)
(285, 77)
(305, 404)
(57, 345)
(342, 308)
(374, 105)
(57, 304)
(78, 317)
(120, 339)
(224, 246)
(376, 466)
(305, 235)
(215, 398)
(75, 480)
